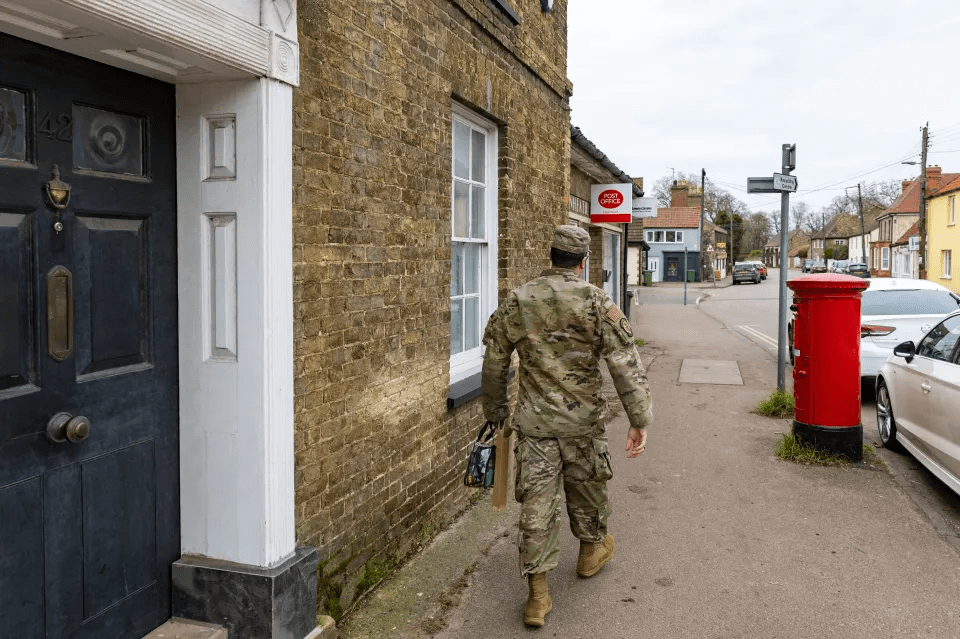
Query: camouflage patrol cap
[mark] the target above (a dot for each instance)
(571, 239)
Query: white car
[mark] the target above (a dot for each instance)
(894, 310)
(918, 392)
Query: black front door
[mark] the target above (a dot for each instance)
(89, 476)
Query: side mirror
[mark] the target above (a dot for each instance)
(906, 350)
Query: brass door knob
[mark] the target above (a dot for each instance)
(64, 427)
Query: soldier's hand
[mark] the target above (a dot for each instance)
(636, 441)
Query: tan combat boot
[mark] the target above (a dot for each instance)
(594, 556)
(539, 602)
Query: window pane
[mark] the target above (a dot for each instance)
(471, 323)
(461, 150)
(13, 116)
(907, 302)
(456, 269)
(461, 212)
(456, 327)
(106, 141)
(671, 236)
(471, 269)
(479, 163)
(679, 236)
(659, 236)
(478, 209)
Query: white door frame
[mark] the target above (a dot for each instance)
(235, 63)
(653, 264)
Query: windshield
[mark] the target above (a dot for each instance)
(915, 302)
(743, 267)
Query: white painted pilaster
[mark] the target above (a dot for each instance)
(235, 144)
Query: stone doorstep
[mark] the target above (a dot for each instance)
(178, 628)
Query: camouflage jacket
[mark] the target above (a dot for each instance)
(561, 327)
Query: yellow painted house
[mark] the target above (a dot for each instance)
(943, 233)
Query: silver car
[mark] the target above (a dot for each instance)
(918, 393)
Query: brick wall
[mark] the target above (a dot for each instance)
(379, 457)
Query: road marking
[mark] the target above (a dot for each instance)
(750, 331)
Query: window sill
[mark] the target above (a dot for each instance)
(466, 389)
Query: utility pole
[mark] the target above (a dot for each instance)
(823, 230)
(863, 233)
(922, 224)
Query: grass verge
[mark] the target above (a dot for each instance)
(778, 404)
(792, 449)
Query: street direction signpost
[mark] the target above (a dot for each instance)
(784, 184)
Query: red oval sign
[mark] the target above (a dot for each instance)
(610, 199)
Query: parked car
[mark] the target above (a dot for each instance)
(760, 267)
(918, 390)
(893, 310)
(858, 269)
(806, 265)
(839, 266)
(818, 266)
(745, 272)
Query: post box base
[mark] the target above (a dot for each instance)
(846, 441)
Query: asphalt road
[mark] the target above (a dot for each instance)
(749, 311)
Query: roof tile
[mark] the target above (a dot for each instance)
(677, 217)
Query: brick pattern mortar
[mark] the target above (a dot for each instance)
(378, 455)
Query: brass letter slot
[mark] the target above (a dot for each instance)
(59, 313)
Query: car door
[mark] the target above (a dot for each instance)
(89, 472)
(928, 392)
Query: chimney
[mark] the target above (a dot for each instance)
(904, 184)
(638, 182)
(678, 193)
(694, 196)
(934, 176)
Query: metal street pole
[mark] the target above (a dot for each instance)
(789, 164)
(703, 197)
(684, 275)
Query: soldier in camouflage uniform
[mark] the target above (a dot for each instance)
(561, 327)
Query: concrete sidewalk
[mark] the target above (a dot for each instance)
(715, 536)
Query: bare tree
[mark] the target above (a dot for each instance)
(663, 185)
(774, 217)
(756, 232)
(800, 213)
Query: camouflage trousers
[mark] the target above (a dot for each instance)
(582, 466)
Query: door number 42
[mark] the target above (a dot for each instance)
(60, 128)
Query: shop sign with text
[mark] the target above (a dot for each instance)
(611, 203)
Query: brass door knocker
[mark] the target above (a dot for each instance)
(58, 194)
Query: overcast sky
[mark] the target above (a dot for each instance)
(722, 84)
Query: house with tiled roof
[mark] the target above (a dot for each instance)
(674, 235)
(795, 240)
(903, 254)
(862, 237)
(833, 241)
(943, 233)
(715, 243)
(900, 216)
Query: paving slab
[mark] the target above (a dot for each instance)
(708, 371)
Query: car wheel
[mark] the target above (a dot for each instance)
(886, 424)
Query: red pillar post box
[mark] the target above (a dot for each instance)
(826, 370)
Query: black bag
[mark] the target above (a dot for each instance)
(483, 456)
